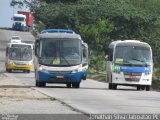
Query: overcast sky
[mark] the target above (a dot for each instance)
(6, 12)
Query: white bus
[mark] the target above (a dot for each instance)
(19, 56)
(129, 63)
(61, 57)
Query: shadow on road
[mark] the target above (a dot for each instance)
(76, 88)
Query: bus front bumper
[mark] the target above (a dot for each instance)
(62, 78)
(121, 79)
(18, 67)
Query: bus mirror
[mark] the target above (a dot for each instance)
(106, 57)
(110, 58)
(85, 53)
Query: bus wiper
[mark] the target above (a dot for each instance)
(65, 59)
(141, 61)
(127, 63)
(137, 59)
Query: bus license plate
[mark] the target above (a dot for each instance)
(60, 76)
(131, 77)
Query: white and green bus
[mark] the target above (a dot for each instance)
(129, 63)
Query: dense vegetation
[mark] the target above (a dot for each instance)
(101, 21)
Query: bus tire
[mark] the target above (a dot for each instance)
(40, 84)
(68, 85)
(9, 70)
(109, 85)
(142, 87)
(114, 86)
(138, 87)
(36, 83)
(148, 87)
(75, 85)
(28, 71)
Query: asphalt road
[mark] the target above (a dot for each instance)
(92, 96)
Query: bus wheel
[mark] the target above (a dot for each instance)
(142, 87)
(36, 83)
(28, 71)
(114, 86)
(40, 84)
(138, 87)
(148, 87)
(9, 70)
(109, 85)
(75, 85)
(68, 85)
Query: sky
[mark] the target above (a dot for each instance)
(6, 13)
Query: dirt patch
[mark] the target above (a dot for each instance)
(25, 93)
(13, 90)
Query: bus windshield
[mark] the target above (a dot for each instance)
(60, 52)
(20, 54)
(133, 55)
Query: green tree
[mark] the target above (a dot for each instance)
(100, 21)
(97, 36)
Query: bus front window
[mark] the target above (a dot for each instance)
(20, 54)
(133, 55)
(26, 54)
(60, 52)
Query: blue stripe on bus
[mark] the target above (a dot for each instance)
(74, 77)
(135, 69)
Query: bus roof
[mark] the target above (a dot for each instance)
(128, 43)
(11, 44)
(58, 31)
(59, 35)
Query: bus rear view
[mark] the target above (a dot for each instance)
(130, 63)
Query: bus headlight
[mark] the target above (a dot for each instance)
(30, 63)
(147, 73)
(75, 70)
(42, 69)
(10, 62)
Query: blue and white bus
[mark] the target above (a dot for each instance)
(60, 57)
(129, 63)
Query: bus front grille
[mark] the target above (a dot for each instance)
(60, 72)
(58, 80)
